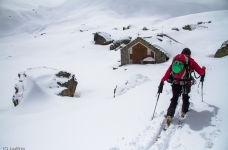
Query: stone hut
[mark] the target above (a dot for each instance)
(140, 51)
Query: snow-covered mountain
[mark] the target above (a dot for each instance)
(34, 16)
(34, 34)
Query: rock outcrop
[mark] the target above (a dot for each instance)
(120, 43)
(145, 28)
(223, 51)
(102, 38)
(43, 80)
(126, 28)
(71, 84)
(175, 29)
(187, 27)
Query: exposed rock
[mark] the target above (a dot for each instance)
(83, 30)
(71, 84)
(192, 27)
(120, 43)
(59, 83)
(112, 47)
(175, 29)
(203, 22)
(126, 28)
(223, 51)
(187, 27)
(200, 23)
(102, 38)
(19, 87)
(63, 74)
(145, 28)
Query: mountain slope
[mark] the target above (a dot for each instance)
(93, 119)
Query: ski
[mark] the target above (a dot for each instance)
(165, 126)
(181, 120)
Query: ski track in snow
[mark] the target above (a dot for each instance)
(134, 81)
(155, 138)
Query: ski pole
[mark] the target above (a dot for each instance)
(202, 79)
(202, 91)
(155, 106)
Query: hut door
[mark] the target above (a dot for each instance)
(139, 53)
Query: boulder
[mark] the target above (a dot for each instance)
(187, 27)
(120, 43)
(102, 38)
(192, 27)
(126, 28)
(145, 28)
(44, 80)
(70, 84)
(223, 51)
(175, 29)
(200, 22)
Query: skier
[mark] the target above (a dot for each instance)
(179, 74)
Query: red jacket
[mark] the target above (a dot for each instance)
(193, 66)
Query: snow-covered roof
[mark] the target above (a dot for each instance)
(149, 59)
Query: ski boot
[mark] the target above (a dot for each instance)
(183, 114)
(168, 120)
(167, 123)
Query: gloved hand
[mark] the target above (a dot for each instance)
(160, 87)
(202, 77)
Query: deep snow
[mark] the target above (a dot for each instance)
(93, 119)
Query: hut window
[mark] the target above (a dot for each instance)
(131, 51)
(148, 52)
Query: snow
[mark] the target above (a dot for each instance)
(149, 59)
(93, 118)
(224, 44)
(134, 81)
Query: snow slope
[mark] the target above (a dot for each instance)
(47, 33)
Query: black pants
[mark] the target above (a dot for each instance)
(177, 91)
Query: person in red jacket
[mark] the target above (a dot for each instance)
(179, 88)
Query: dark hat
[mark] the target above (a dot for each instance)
(186, 51)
